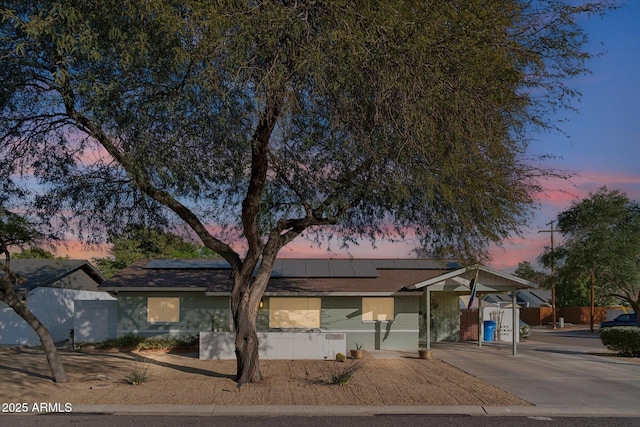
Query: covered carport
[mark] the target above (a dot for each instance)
(462, 281)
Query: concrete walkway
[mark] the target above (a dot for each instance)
(558, 379)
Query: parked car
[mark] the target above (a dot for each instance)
(525, 329)
(628, 319)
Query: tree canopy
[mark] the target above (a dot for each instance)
(34, 252)
(255, 122)
(601, 238)
(138, 242)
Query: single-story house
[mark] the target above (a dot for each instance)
(52, 289)
(379, 304)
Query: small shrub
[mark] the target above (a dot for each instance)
(340, 357)
(340, 374)
(125, 341)
(623, 339)
(151, 343)
(138, 376)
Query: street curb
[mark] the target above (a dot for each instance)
(338, 410)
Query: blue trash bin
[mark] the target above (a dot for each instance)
(489, 329)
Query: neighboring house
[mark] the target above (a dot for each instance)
(51, 289)
(526, 298)
(376, 303)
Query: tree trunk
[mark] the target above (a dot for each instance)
(248, 363)
(55, 364)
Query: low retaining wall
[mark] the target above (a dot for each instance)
(276, 345)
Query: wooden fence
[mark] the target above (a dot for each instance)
(536, 316)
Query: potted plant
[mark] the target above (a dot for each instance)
(423, 353)
(358, 353)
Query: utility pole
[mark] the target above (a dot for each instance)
(553, 275)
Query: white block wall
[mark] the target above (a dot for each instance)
(276, 345)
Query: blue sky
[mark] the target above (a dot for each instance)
(601, 141)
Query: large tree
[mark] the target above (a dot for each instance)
(255, 122)
(16, 231)
(601, 248)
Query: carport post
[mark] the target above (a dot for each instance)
(515, 323)
(428, 318)
(480, 323)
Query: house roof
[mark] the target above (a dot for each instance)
(488, 280)
(529, 297)
(289, 276)
(51, 272)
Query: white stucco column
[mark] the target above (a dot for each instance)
(480, 321)
(428, 319)
(515, 323)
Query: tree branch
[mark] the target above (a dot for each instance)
(143, 182)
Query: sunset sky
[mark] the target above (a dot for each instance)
(601, 145)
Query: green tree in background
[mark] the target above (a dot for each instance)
(138, 242)
(526, 271)
(34, 253)
(257, 122)
(601, 250)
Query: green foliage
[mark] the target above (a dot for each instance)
(526, 271)
(149, 343)
(16, 230)
(623, 339)
(138, 242)
(601, 239)
(34, 253)
(390, 116)
(167, 343)
(125, 341)
(341, 357)
(138, 376)
(342, 374)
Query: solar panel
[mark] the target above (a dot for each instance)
(318, 268)
(290, 268)
(212, 264)
(364, 268)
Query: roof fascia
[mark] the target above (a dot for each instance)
(118, 289)
(518, 282)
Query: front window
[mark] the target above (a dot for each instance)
(163, 310)
(294, 312)
(377, 309)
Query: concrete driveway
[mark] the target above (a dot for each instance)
(563, 375)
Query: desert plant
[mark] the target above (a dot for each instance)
(138, 376)
(340, 357)
(340, 374)
(623, 339)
